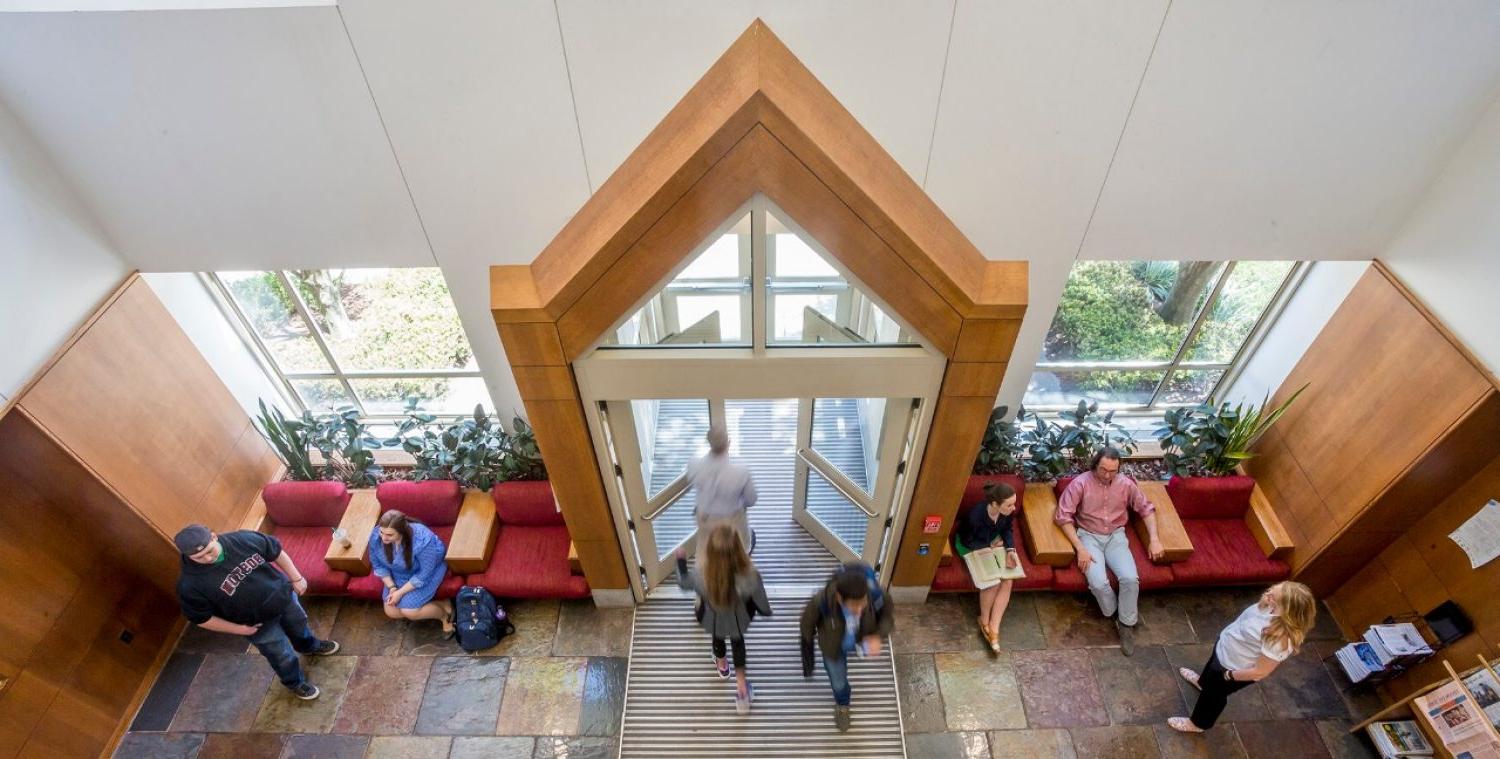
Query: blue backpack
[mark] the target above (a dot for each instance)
(480, 620)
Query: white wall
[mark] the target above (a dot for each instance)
(1321, 292)
(58, 264)
(198, 314)
(1448, 251)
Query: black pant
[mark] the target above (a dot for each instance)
(1214, 695)
(739, 650)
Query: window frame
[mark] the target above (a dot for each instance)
(284, 379)
(1231, 369)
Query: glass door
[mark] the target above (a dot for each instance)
(850, 466)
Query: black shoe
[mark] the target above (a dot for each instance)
(841, 717)
(306, 691)
(324, 648)
(752, 542)
(1127, 638)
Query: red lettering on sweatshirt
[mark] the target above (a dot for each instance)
(237, 575)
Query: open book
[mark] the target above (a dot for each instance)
(987, 565)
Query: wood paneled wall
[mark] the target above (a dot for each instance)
(1394, 418)
(125, 436)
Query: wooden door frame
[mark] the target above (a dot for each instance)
(757, 122)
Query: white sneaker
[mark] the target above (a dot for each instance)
(742, 703)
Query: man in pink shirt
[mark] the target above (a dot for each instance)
(1092, 513)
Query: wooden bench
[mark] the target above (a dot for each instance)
(1050, 546)
(359, 519)
(1169, 530)
(474, 533)
(1266, 527)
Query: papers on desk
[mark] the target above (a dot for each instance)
(1480, 536)
(1383, 647)
(1398, 738)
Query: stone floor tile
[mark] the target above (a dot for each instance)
(947, 622)
(1020, 628)
(384, 695)
(1031, 744)
(426, 638)
(1281, 739)
(1059, 689)
(322, 613)
(363, 629)
(603, 696)
(575, 748)
(1222, 742)
(225, 695)
(980, 692)
(492, 748)
(197, 640)
(921, 698)
(325, 747)
(1072, 620)
(1139, 689)
(1115, 742)
(543, 696)
(536, 629)
(242, 746)
(1210, 611)
(463, 695)
(389, 747)
(167, 692)
(948, 746)
(1340, 743)
(584, 629)
(159, 746)
(281, 712)
(1301, 688)
(1245, 705)
(1164, 621)
(1362, 700)
(1325, 627)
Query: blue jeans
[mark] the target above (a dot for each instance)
(1112, 552)
(280, 640)
(838, 677)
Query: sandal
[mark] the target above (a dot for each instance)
(451, 622)
(1183, 725)
(1190, 676)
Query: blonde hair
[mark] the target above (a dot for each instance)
(1296, 610)
(723, 559)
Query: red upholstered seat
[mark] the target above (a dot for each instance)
(1153, 576)
(1225, 553)
(531, 562)
(304, 515)
(954, 578)
(1211, 497)
(368, 587)
(434, 503)
(526, 503)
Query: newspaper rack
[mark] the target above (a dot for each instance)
(1432, 732)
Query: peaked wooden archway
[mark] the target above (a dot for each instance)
(757, 122)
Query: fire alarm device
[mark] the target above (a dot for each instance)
(932, 524)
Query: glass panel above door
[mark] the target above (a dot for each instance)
(706, 304)
(811, 302)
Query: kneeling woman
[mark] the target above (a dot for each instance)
(991, 525)
(408, 559)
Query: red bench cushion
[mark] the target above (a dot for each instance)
(974, 492)
(527, 504)
(434, 503)
(1153, 576)
(305, 504)
(368, 587)
(1225, 553)
(954, 578)
(531, 562)
(1211, 497)
(307, 546)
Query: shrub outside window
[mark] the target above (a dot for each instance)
(1141, 336)
(385, 341)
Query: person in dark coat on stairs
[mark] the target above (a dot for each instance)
(849, 615)
(730, 594)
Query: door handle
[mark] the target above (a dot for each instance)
(835, 478)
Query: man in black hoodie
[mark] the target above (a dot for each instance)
(228, 585)
(850, 614)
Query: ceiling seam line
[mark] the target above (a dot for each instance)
(1123, 126)
(400, 170)
(562, 42)
(938, 109)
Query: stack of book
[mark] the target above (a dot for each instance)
(1398, 738)
(1385, 649)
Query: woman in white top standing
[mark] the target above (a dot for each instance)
(1248, 651)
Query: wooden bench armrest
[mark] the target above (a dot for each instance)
(1174, 538)
(359, 519)
(947, 557)
(1044, 538)
(473, 534)
(256, 518)
(1261, 518)
(574, 565)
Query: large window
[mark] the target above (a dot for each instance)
(385, 341)
(1145, 335)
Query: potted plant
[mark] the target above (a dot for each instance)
(344, 442)
(1058, 450)
(1000, 454)
(1203, 447)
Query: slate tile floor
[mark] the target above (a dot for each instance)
(1059, 689)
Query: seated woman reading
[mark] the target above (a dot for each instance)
(989, 525)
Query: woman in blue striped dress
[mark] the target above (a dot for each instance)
(408, 559)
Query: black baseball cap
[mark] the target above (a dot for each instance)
(192, 539)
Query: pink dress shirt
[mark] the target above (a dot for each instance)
(1099, 508)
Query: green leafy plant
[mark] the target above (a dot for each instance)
(290, 439)
(1087, 431)
(1047, 455)
(1212, 441)
(348, 448)
(523, 460)
(1000, 452)
(475, 450)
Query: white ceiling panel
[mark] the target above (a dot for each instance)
(214, 139)
(1301, 130)
(632, 61)
(1033, 103)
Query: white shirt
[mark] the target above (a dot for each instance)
(724, 489)
(1240, 645)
